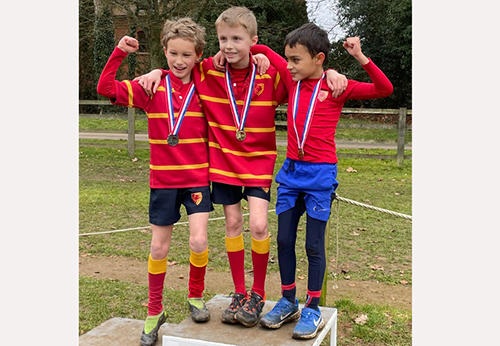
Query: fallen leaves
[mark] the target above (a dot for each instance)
(361, 319)
(377, 267)
(351, 170)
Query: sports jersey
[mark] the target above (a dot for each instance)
(249, 162)
(320, 141)
(180, 166)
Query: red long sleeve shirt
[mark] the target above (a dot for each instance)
(242, 163)
(181, 166)
(320, 141)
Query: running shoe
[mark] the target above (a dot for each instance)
(149, 334)
(228, 316)
(283, 312)
(310, 322)
(199, 311)
(249, 314)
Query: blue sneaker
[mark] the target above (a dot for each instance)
(283, 312)
(309, 324)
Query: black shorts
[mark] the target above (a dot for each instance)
(165, 204)
(232, 194)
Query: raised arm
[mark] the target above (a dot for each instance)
(106, 84)
(381, 86)
(124, 93)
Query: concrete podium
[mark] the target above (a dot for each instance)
(126, 332)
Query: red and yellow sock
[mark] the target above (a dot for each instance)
(236, 254)
(197, 268)
(156, 277)
(260, 257)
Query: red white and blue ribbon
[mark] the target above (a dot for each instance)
(310, 111)
(176, 125)
(240, 122)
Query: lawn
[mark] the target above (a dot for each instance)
(114, 195)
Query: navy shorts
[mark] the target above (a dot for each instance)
(165, 204)
(232, 194)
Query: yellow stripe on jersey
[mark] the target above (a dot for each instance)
(216, 73)
(247, 129)
(242, 153)
(223, 75)
(178, 167)
(238, 102)
(181, 141)
(130, 94)
(161, 88)
(277, 80)
(201, 72)
(165, 115)
(241, 176)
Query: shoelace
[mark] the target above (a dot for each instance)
(253, 302)
(236, 303)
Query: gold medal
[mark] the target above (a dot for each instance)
(241, 135)
(172, 140)
(301, 154)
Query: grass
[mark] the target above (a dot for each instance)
(114, 194)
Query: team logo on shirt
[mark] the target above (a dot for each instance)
(323, 94)
(197, 197)
(258, 89)
(266, 189)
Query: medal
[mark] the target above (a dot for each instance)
(301, 154)
(309, 115)
(172, 140)
(240, 123)
(173, 137)
(241, 135)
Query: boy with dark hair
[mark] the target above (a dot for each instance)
(178, 133)
(240, 108)
(307, 179)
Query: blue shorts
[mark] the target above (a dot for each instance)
(165, 204)
(232, 194)
(317, 181)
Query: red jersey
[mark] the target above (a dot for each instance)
(320, 141)
(249, 162)
(181, 166)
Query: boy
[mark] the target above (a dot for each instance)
(307, 179)
(178, 161)
(240, 108)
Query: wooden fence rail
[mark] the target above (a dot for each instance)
(401, 112)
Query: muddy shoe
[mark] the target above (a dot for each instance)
(310, 322)
(238, 301)
(199, 312)
(283, 312)
(249, 314)
(149, 334)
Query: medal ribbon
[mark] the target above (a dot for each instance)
(240, 124)
(310, 111)
(176, 125)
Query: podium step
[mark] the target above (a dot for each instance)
(127, 332)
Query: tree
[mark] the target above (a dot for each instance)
(85, 50)
(275, 19)
(385, 31)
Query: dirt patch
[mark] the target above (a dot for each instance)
(135, 271)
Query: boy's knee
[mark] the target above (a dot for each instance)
(198, 243)
(158, 250)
